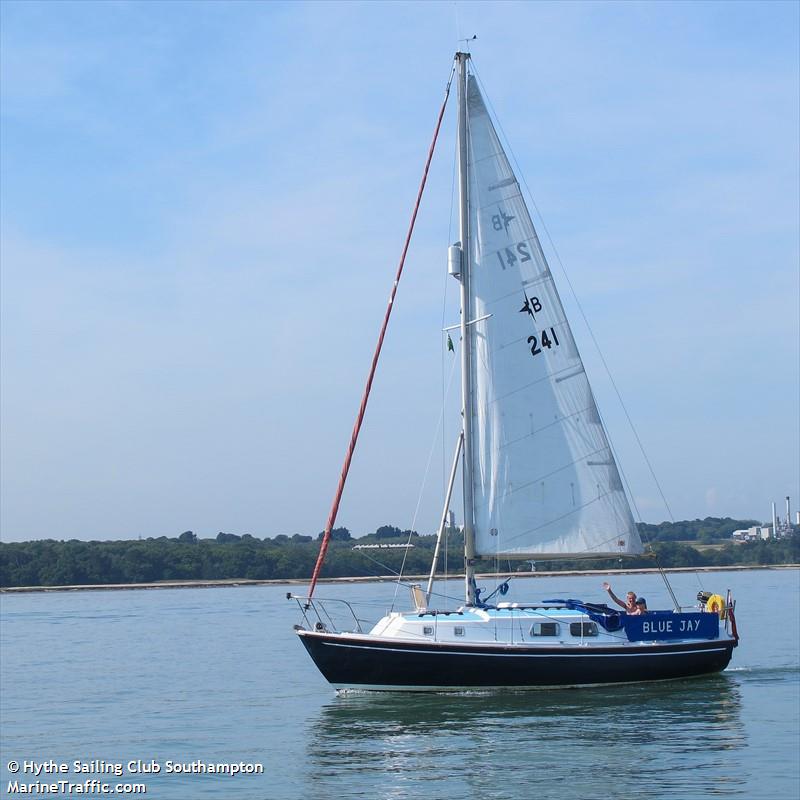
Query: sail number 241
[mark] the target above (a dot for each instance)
(508, 258)
(546, 341)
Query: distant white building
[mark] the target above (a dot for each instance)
(752, 534)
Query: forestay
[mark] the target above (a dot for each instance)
(545, 482)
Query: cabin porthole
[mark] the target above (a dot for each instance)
(458, 630)
(583, 628)
(427, 630)
(545, 629)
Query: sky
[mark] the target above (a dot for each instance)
(202, 207)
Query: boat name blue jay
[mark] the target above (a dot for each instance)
(665, 626)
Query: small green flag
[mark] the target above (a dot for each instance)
(450, 346)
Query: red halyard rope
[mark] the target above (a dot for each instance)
(360, 418)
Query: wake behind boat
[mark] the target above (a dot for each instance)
(539, 481)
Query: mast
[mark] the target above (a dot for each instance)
(466, 345)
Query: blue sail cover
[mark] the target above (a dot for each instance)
(608, 618)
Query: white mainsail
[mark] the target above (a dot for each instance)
(544, 478)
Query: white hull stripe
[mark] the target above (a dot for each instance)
(566, 653)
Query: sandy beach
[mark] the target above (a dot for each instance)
(232, 582)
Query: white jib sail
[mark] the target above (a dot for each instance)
(545, 482)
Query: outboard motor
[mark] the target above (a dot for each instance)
(702, 599)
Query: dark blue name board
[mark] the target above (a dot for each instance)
(669, 625)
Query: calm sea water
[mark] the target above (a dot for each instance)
(218, 675)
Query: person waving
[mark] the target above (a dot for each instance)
(629, 604)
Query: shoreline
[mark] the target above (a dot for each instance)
(227, 583)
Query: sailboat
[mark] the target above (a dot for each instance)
(539, 478)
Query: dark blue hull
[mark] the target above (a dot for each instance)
(350, 661)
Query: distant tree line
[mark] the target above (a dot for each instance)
(711, 530)
(231, 556)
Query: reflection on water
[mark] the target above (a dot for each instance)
(671, 739)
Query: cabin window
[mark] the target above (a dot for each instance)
(458, 630)
(545, 629)
(427, 630)
(583, 628)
